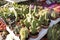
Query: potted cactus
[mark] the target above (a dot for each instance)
(43, 19)
(8, 16)
(45, 23)
(34, 24)
(54, 32)
(53, 15)
(24, 33)
(34, 29)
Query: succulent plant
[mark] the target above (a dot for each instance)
(44, 17)
(54, 32)
(24, 33)
(53, 15)
(34, 26)
(27, 23)
(33, 20)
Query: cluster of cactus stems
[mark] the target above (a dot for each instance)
(54, 32)
(28, 16)
(43, 17)
(34, 22)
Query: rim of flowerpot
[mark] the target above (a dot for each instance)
(45, 26)
(33, 35)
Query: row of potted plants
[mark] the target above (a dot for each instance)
(26, 20)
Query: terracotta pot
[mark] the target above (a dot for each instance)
(33, 35)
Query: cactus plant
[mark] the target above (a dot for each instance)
(34, 25)
(27, 23)
(54, 32)
(24, 33)
(43, 17)
(34, 22)
(53, 15)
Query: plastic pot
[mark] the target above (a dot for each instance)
(44, 26)
(33, 35)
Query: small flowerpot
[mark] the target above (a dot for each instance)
(44, 26)
(33, 35)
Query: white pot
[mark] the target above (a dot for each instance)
(16, 0)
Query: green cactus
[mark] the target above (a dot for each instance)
(34, 26)
(43, 19)
(53, 15)
(24, 33)
(22, 11)
(54, 32)
(27, 23)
